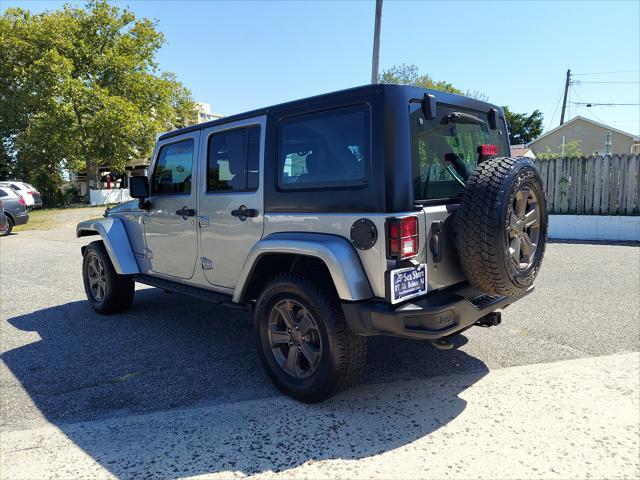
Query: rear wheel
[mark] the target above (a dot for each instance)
(7, 227)
(304, 341)
(106, 291)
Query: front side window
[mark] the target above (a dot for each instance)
(446, 150)
(233, 160)
(172, 173)
(327, 149)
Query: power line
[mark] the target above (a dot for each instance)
(553, 117)
(592, 111)
(606, 73)
(579, 82)
(594, 104)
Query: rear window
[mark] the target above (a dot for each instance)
(326, 149)
(445, 150)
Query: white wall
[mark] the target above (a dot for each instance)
(113, 195)
(594, 227)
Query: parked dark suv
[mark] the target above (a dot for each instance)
(379, 210)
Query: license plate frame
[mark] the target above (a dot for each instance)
(408, 282)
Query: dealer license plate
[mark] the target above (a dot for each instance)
(408, 282)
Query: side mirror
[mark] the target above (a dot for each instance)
(139, 187)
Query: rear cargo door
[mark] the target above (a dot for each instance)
(443, 268)
(445, 151)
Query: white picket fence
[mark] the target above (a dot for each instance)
(104, 197)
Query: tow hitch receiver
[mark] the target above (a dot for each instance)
(490, 320)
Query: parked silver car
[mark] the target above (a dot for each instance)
(15, 210)
(379, 210)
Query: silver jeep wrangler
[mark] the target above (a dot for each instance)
(378, 210)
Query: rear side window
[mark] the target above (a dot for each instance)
(233, 160)
(327, 149)
(172, 173)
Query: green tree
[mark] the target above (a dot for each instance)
(80, 89)
(523, 128)
(410, 75)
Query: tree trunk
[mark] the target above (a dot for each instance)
(93, 175)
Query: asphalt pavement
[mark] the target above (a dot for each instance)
(66, 370)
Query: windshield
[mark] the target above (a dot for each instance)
(445, 150)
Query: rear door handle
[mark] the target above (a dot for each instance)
(243, 212)
(185, 212)
(435, 242)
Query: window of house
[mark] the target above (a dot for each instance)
(327, 149)
(172, 173)
(233, 160)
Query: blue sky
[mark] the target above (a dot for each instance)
(244, 54)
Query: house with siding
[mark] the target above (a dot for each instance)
(595, 138)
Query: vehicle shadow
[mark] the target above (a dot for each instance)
(169, 353)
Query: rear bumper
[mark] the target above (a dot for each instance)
(20, 218)
(436, 315)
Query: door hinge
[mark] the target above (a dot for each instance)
(203, 221)
(207, 264)
(148, 254)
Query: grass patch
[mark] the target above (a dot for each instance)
(50, 218)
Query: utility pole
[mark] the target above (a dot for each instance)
(376, 43)
(566, 91)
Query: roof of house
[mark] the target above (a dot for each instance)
(635, 138)
(519, 150)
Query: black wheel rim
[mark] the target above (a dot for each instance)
(294, 338)
(97, 278)
(523, 230)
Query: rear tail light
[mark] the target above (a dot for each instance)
(402, 235)
(21, 201)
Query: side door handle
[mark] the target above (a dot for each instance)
(243, 212)
(185, 212)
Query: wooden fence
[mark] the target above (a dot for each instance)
(601, 185)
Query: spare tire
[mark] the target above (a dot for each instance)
(501, 226)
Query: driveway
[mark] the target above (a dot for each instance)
(174, 388)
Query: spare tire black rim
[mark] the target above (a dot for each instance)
(523, 231)
(294, 338)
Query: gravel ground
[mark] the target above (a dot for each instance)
(63, 364)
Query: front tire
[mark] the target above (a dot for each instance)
(304, 341)
(107, 291)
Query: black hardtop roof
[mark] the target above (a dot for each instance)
(407, 91)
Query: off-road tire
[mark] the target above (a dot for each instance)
(10, 224)
(343, 354)
(118, 289)
(482, 225)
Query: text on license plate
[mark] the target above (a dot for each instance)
(408, 282)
